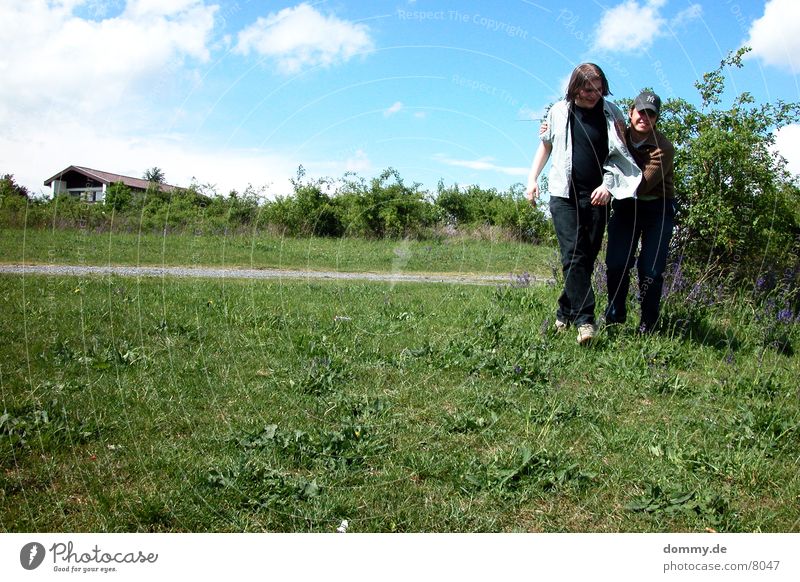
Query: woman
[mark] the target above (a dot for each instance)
(590, 163)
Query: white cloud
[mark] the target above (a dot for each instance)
(775, 37)
(38, 156)
(635, 25)
(302, 37)
(396, 107)
(52, 59)
(629, 26)
(358, 163)
(485, 164)
(686, 16)
(787, 142)
(77, 91)
(150, 8)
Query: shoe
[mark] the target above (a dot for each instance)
(608, 319)
(586, 333)
(561, 326)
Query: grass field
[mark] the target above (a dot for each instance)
(448, 255)
(210, 406)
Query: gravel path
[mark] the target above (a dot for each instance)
(235, 273)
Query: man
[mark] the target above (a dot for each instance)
(590, 163)
(648, 218)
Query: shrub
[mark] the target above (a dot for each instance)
(737, 202)
(383, 208)
(118, 196)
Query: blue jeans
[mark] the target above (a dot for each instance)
(579, 228)
(632, 221)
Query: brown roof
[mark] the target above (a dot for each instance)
(108, 178)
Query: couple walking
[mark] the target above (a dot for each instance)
(597, 161)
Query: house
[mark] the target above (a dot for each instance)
(91, 185)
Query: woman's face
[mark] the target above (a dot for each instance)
(590, 94)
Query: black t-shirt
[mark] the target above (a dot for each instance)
(589, 146)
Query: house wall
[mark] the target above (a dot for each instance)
(75, 180)
(96, 194)
(59, 186)
(80, 186)
(77, 184)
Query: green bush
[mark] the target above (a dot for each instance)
(384, 207)
(118, 196)
(307, 211)
(737, 202)
(474, 207)
(465, 207)
(13, 201)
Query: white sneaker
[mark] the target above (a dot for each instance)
(560, 326)
(586, 333)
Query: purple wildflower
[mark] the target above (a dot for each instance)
(523, 280)
(674, 281)
(695, 293)
(601, 278)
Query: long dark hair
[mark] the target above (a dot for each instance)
(583, 74)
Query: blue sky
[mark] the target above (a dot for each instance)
(239, 92)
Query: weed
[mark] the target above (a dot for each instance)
(45, 426)
(466, 422)
(346, 445)
(705, 507)
(322, 375)
(542, 470)
(257, 485)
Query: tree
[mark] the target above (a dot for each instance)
(155, 175)
(9, 187)
(14, 199)
(737, 201)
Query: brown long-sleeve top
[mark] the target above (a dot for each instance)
(656, 158)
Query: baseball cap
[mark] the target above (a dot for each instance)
(647, 100)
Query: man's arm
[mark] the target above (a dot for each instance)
(539, 161)
(658, 164)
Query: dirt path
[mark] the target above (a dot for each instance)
(237, 273)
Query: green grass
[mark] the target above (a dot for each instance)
(193, 405)
(448, 255)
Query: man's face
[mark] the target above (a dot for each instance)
(643, 121)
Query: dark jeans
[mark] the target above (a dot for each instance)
(579, 228)
(650, 222)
